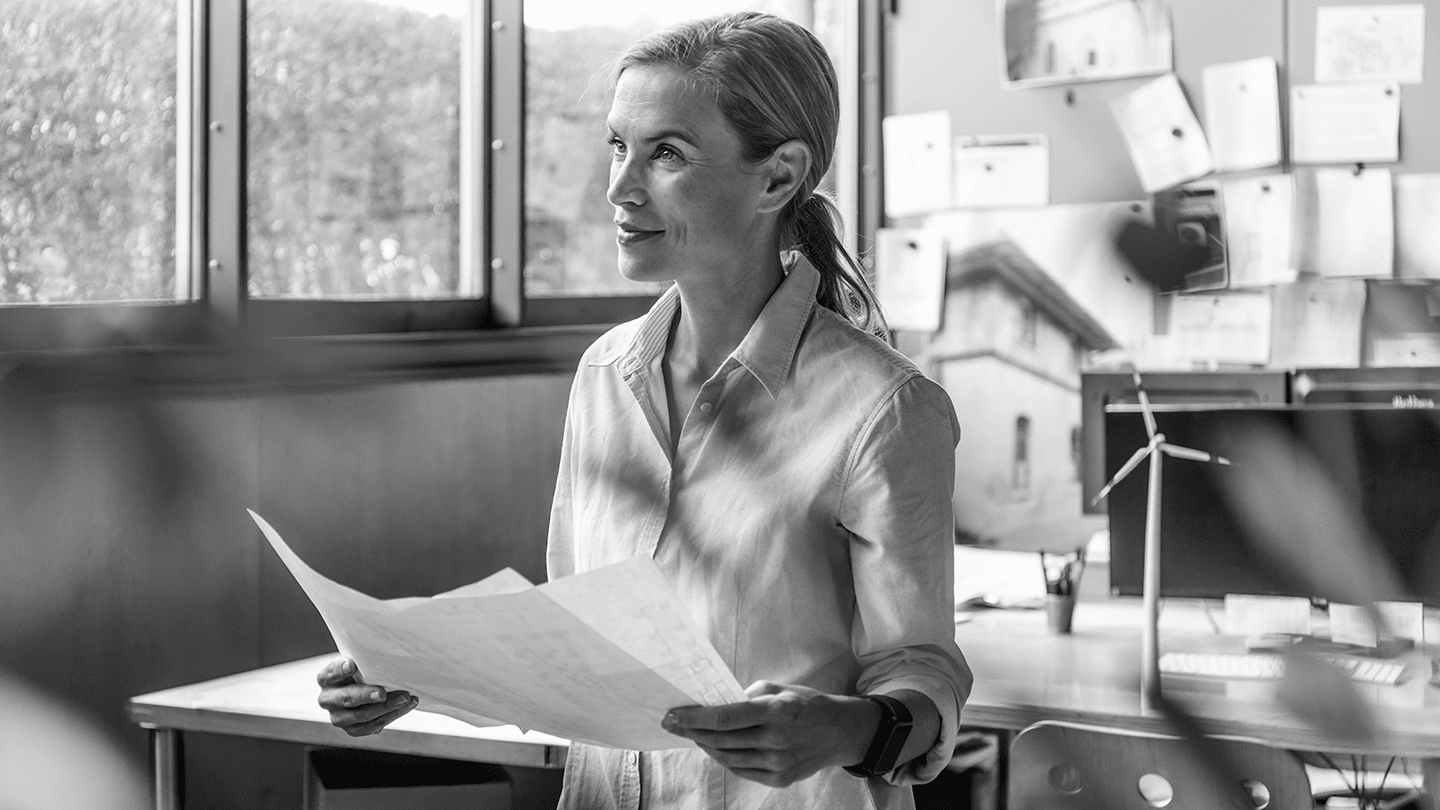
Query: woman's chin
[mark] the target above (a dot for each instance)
(643, 272)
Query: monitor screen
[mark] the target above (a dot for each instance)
(1101, 389)
(1380, 463)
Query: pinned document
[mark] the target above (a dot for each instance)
(1228, 327)
(1352, 234)
(910, 277)
(1242, 114)
(1166, 143)
(1259, 230)
(1352, 624)
(1417, 226)
(995, 171)
(918, 160)
(1370, 43)
(1316, 324)
(1248, 615)
(1345, 123)
(598, 657)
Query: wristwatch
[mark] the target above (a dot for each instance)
(895, 725)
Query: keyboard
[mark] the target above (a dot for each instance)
(1268, 667)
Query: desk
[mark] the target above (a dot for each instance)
(278, 703)
(1024, 673)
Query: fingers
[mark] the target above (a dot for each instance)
(351, 696)
(338, 672)
(772, 768)
(728, 717)
(376, 725)
(760, 688)
(371, 717)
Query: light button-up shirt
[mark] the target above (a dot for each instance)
(805, 520)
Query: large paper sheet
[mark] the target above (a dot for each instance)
(1165, 141)
(1345, 123)
(1417, 226)
(598, 657)
(1370, 43)
(1259, 230)
(1242, 114)
(992, 171)
(917, 156)
(910, 277)
(1353, 232)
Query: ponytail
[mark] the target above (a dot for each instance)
(814, 231)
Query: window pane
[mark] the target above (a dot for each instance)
(87, 150)
(354, 148)
(570, 47)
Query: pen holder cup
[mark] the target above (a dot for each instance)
(1059, 610)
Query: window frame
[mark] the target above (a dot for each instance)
(211, 228)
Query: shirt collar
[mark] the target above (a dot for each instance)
(768, 349)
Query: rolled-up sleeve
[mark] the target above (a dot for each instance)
(896, 504)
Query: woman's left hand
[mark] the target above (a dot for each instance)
(783, 734)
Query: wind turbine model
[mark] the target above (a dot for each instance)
(1155, 450)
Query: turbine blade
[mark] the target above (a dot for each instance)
(1120, 475)
(1144, 403)
(1193, 455)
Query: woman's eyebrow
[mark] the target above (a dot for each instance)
(662, 135)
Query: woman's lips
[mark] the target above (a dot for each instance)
(634, 237)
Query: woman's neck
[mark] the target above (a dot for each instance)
(716, 312)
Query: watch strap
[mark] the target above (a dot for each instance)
(890, 737)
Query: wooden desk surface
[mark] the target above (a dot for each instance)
(1024, 673)
(278, 703)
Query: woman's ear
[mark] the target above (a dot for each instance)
(785, 170)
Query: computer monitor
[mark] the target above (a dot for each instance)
(1099, 389)
(1399, 387)
(1392, 477)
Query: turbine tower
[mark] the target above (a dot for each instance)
(1156, 449)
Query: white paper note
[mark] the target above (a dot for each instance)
(597, 657)
(1352, 624)
(1370, 43)
(1232, 327)
(1259, 230)
(1345, 123)
(918, 157)
(1316, 324)
(989, 577)
(1413, 350)
(1242, 114)
(1166, 143)
(1417, 226)
(1247, 615)
(910, 277)
(994, 171)
(1354, 225)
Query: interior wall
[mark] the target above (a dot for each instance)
(128, 562)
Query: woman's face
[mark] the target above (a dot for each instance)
(685, 199)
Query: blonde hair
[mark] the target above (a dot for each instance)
(773, 82)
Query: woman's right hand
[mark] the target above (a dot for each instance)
(359, 708)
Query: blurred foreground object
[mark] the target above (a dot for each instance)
(55, 760)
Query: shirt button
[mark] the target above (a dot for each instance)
(705, 407)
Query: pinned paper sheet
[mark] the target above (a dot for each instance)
(1166, 143)
(989, 577)
(993, 171)
(1232, 327)
(1417, 226)
(1247, 615)
(1345, 123)
(1370, 43)
(1352, 624)
(910, 277)
(1352, 234)
(918, 157)
(1242, 114)
(1259, 230)
(1316, 324)
(598, 657)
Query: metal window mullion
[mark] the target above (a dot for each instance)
(872, 109)
(506, 124)
(189, 148)
(224, 150)
(474, 150)
(847, 146)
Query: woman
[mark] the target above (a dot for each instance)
(788, 471)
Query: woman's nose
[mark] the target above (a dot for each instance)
(626, 186)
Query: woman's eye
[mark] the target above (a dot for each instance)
(666, 153)
(616, 147)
